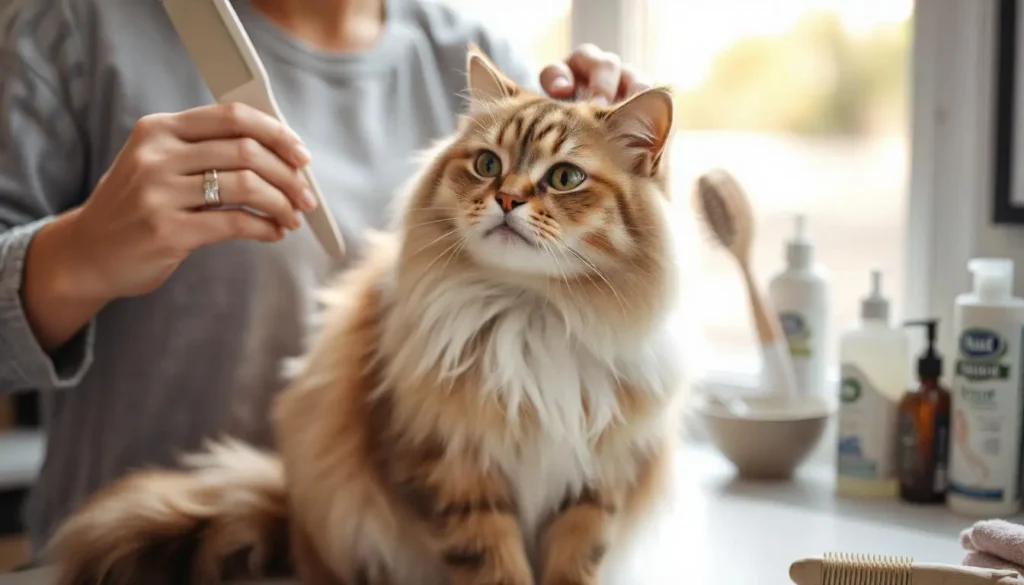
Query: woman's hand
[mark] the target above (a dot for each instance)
(147, 214)
(590, 73)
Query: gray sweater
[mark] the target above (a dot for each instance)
(153, 376)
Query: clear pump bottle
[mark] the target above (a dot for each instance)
(874, 372)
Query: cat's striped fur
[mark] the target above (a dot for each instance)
(491, 399)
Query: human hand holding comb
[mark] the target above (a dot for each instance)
(225, 58)
(150, 211)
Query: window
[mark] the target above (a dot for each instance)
(806, 103)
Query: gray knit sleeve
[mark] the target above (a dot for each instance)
(42, 173)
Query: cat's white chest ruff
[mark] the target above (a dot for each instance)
(543, 475)
(555, 373)
(552, 362)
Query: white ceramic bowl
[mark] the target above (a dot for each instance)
(763, 439)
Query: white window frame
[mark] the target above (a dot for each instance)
(616, 26)
(952, 162)
(952, 142)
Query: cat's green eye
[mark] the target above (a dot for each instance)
(565, 177)
(487, 164)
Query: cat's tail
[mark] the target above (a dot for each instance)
(223, 517)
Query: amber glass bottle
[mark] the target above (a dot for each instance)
(924, 430)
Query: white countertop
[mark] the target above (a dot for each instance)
(721, 531)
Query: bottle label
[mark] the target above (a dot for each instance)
(909, 460)
(799, 340)
(941, 452)
(867, 428)
(797, 332)
(923, 466)
(986, 425)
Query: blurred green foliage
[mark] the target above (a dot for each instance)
(817, 79)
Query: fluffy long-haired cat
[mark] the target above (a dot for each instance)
(490, 401)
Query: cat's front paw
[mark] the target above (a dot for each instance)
(577, 538)
(580, 569)
(504, 564)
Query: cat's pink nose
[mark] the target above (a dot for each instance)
(508, 201)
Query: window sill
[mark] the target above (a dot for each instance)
(813, 491)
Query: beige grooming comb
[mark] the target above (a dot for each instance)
(845, 569)
(228, 63)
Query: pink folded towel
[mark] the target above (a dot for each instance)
(994, 544)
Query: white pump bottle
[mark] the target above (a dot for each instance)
(874, 361)
(800, 295)
(987, 423)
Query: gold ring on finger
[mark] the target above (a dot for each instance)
(211, 189)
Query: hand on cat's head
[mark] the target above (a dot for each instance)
(554, 188)
(592, 73)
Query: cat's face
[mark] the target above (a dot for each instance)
(542, 187)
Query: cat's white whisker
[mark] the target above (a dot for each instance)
(444, 253)
(593, 267)
(441, 237)
(432, 222)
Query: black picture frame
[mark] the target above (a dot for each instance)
(1004, 211)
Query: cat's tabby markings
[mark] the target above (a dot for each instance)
(491, 399)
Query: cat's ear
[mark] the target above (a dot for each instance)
(486, 82)
(641, 125)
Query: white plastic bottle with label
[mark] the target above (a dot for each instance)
(800, 296)
(986, 422)
(875, 372)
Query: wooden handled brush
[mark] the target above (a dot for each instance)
(726, 210)
(841, 569)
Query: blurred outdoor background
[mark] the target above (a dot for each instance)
(806, 102)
